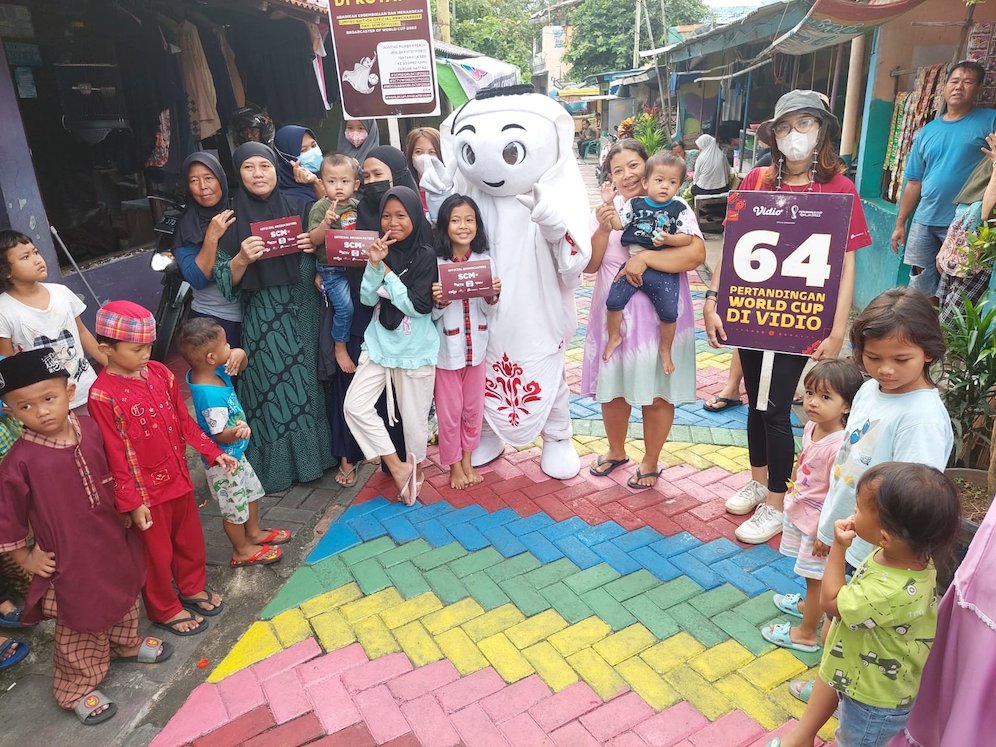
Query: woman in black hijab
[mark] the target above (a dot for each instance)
(279, 390)
(384, 167)
(400, 345)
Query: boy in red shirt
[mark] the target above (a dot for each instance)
(146, 426)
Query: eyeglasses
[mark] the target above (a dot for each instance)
(802, 126)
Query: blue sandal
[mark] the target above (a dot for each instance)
(22, 650)
(12, 619)
(780, 634)
(788, 603)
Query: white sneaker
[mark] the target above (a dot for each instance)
(762, 526)
(747, 498)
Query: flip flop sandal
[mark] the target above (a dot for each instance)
(86, 706)
(12, 619)
(780, 634)
(264, 556)
(149, 652)
(634, 480)
(610, 464)
(22, 650)
(801, 689)
(718, 404)
(788, 603)
(171, 626)
(348, 477)
(277, 536)
(193, 604)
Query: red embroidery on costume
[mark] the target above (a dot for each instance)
(505, 388)
(570, 241)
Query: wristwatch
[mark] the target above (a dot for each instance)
(711, 294)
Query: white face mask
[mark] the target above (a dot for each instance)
(798, 147)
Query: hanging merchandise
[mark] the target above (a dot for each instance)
(911, 112)
(982, 49)
(202, 98)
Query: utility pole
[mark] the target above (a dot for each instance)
(443, 15)
(636, 37)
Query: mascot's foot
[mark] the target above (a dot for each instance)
(560, 461)
(490, 448)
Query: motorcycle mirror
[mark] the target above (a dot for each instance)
(161, 260)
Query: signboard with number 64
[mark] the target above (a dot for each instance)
(783, 255)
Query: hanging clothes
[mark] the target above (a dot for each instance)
(218, 67)
(238, 90)
(318, 46)
(198, 83)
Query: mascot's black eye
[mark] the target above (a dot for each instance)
(513, 153)
(468, 155)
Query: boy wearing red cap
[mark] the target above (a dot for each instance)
(146, 426)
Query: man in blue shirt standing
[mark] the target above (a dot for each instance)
(944, 153)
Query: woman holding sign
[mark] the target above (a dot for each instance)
(279, 389)
(804, 160)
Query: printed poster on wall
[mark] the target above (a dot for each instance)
(385, 57)
(783, 255)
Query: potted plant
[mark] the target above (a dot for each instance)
(647, 128)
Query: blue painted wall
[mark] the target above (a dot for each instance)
(125, 277)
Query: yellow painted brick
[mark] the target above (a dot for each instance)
(828, 730)
(505, 658)
(371, 605)
(417, 644)
(624, 644)
(291, 627)
(594, 670)
(331, 600)
(579, 635)
(461, 651)
(256, 644)
(452, 615)
(782, 698)
(691, 686)
(375, 638)
(332, 630)
(552, 668)
(647, 683)
(755, 703)
(720, 660)
(672, 652)
(772, 669)
(536, 628)
(411, 610)
(497, 620)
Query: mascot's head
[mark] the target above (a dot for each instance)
(507, 139)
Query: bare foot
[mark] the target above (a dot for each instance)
(10, 650)
(202, 600)
(184, 622)
(458, 480)
(343, 360)
(133, 650)
(666, 362)
(473, 476)
(610, 347)
(346, 474)
(796, 637)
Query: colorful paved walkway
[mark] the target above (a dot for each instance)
(524, 611)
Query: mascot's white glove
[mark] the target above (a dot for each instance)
(437, 181)
(545, 216)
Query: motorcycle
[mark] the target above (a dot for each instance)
(174, 303)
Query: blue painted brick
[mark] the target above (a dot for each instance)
(621, 562)
(675, 544)
(359, 509)
(367, 526)
(779, 582)
(462, 515)
(339, 537)
(544, 550)
(394, 509)
(696, 570)
(504, 516)
(400, 529)
(718, 549)
(530, 524)
(566, 528)
(757, 557)
(468, 536)
(737, 576)
(431, 511)
(664, 569)
(637, 538)
(784, 564)
(434, 532)
(600, 533)
(579, 553)
(504, 541)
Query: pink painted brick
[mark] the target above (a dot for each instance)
(376, 672)
(430, 724)
(201, 713)
(469, 689)
(241, 692)
(711, 475)
(287, 659)
(333, 706)
(671, 726)
(627, 739)
(381, 714)
(573, 734)
(522, 731)
(781, 731)
(286, 696)
(476, 729)
(735, 729)
(423, 680)
(332, 664)
(565, 706)
(616, 716)
(514, 699)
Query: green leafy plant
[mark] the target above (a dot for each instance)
(981, 245)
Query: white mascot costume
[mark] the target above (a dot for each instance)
(512, 151)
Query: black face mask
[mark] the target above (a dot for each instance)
(371, 192)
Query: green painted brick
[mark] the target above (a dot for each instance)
(809, 658)
(408, 579)
(332, 573)
(700, 434)
(404, 552)
(524, 596)
(674, 592)
(439, 556)
(631, 584)
(566, 602)
(301, 586)
(551, 573)
(680, 434)
(758, 609)
(513, 567)
(582, 427)
(447, 586)
(743, 631)
(367, 550)
(370, 576)
(476, 561)
(656, 620)
(739, 437)
(717, 600)
(607, 608)
(697, 624)
(485, 591)
(591, 578)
